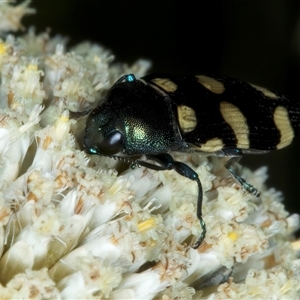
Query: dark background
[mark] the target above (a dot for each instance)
(253, 40)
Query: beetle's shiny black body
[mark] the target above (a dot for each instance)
(237, 113)
(218, 115)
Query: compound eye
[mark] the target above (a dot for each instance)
(112, 144)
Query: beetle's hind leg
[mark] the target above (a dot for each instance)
(166, 162)
(235, 156)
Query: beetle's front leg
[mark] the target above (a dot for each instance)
(236, 155)
(167, 162)
(79, 114)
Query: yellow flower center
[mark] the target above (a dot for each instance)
(3, 48)
(32, 67)
(233, 236)
(148, 224)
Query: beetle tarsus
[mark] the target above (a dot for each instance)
(236, 156)
(202, 236)
(79, 114)
(246, 186)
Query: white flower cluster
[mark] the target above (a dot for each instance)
(72, 228)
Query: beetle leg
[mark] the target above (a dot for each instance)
(167, 162)
(149, 165)
(187, 172)
(236, 155)
(79, 114)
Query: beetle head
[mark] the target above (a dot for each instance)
(102, 136)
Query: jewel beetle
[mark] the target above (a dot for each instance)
(215, 115)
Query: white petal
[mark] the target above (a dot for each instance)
(16, 260)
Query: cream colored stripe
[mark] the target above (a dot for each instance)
(211, 84)
(265, 91)
(212, 145)
(187, 118)
(283, 124)
(166, 84)
(237, 121)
